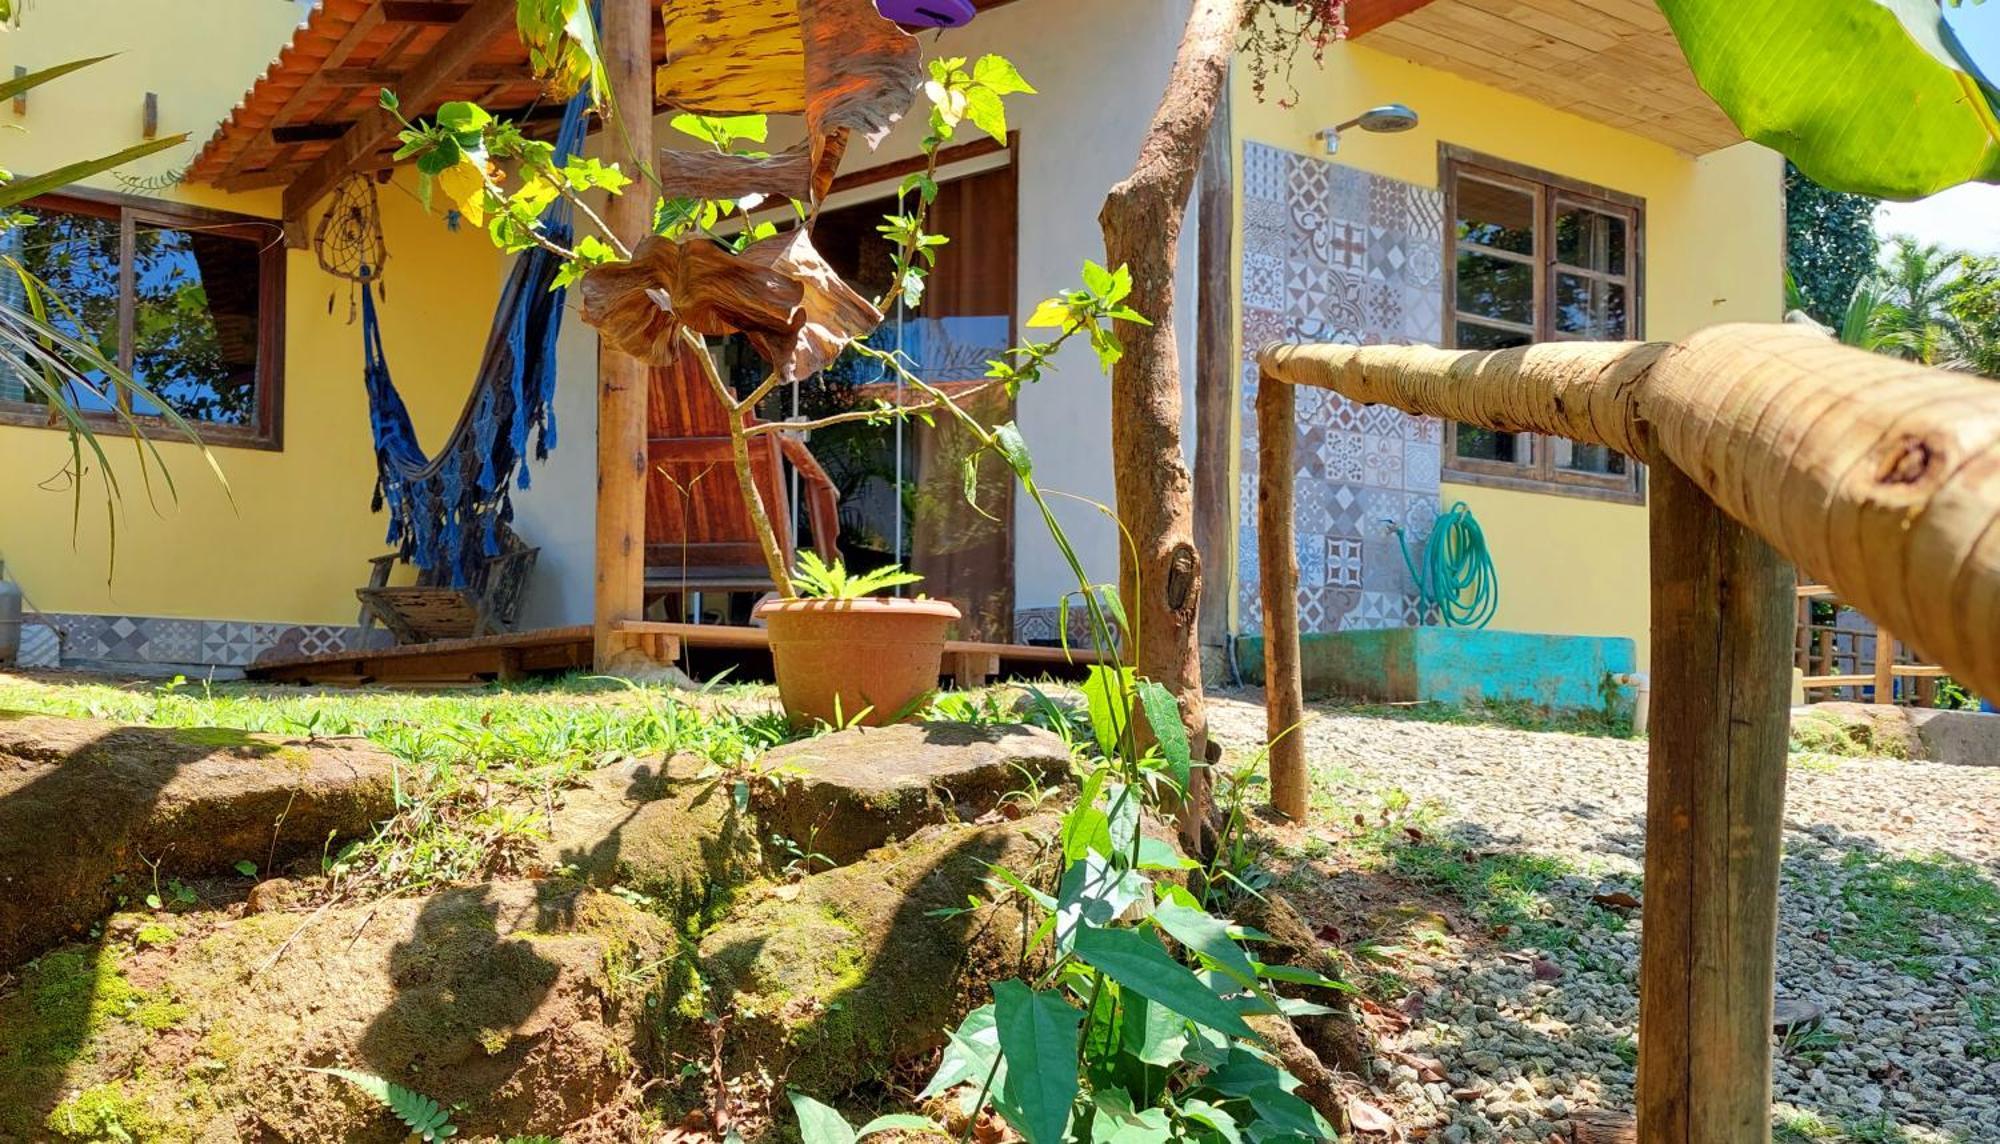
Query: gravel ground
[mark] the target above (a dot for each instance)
(1517, 1009)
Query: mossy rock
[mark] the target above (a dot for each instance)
(839, 796)
(84, 804)
(1857, 730)
(838, 979)
(653, 826)
(524, 1004)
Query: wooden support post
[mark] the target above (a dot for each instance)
(971, 670)
(1278, 568)
(621, 380)
(1885, 665)
(1722, 626)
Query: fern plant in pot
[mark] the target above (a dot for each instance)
(845, 655)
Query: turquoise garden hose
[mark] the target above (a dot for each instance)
(1458, 579)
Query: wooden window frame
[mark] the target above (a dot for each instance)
(1539, 473)
(267, 429)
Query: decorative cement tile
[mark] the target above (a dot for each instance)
(1344, 561)
(41, 646)
(1350, 258)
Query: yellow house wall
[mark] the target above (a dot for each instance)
(1713, 253)
(294, 545)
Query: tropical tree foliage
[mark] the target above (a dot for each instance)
(1830, 244)
(1925, 303)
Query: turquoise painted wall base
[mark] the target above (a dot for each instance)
(1460, 665)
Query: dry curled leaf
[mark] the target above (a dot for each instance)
(1365, 1117)
(778, 292)
(1616, 900)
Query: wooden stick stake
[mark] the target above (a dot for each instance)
(1885, 666)
(1214, 394)
(621, 380)
(1722, 627)
(1278, 569)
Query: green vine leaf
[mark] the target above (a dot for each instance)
(1136, 960)
(1163, 715)
(1038, 1039)
(1208, 936)
(819, 1124)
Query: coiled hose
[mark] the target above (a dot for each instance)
(1458, 579)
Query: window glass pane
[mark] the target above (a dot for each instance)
(1479, 444)
(1590, 307)
(1490, 287)
(1473, 336)
(1581, 458)
(1497, 216)
(194, 326)
(1590, 239)
(76, 258)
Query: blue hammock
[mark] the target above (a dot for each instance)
(446, 512)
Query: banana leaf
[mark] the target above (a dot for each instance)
(1873, 96)
(26, 187)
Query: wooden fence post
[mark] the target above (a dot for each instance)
(1722, 633)
(1885, 666)
(1278, 572)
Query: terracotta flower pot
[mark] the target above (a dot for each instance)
(837, 658)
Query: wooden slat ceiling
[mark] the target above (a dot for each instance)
(1614, 61)
(326, 82)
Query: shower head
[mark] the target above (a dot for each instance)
(1386, 119)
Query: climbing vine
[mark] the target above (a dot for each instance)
(1275, 31)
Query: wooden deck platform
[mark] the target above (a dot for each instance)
(517, 655)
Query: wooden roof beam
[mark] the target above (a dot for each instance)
(422, 12)
(1364, 16)
(423, 85)
(393, 77)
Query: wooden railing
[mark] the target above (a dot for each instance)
(1819, 657)
(1768, 445)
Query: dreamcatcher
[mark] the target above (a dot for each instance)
(349, 240)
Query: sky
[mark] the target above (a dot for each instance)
(1967, 217)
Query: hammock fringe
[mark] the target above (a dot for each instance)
(446, 512)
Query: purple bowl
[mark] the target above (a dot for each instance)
(928, 13)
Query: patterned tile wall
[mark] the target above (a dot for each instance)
(51, 639)
(1332, 254)
(1044, 625)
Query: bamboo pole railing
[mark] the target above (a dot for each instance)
(1768, 444)
(1818, 657)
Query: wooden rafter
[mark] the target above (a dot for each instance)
(1364, 16)
(421, 86)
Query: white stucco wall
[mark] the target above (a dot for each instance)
(1098, 67)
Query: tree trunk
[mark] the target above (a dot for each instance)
(1142, 220)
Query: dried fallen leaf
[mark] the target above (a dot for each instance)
(1616, 900)
(1365, 1117)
